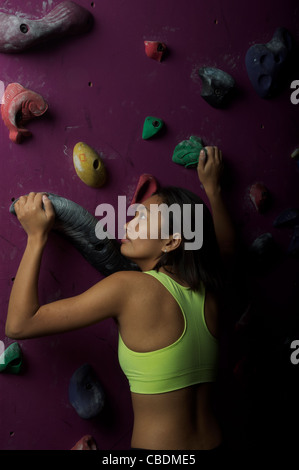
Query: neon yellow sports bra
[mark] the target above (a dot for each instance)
(190, 360)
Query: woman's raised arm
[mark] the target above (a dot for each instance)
(25, 317)
(209, 171)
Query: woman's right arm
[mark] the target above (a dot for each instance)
(209, 171)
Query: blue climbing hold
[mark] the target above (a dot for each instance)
(266, 63)
(293, 248)
(86, 393)
(287, 218)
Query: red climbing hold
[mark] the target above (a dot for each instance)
(146, 186)
(260, 197)
(155, 50)
(85, 443)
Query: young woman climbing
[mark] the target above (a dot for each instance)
(167, 313)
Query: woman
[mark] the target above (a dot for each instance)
(167, 313)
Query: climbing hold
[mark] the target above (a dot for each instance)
(11, 359)
(85, 443)
(151, 127)
(87, 235)
(187, 152)
(287, 218)
(89, 165)
(293, 248)
(86, 394)
(155, 50)
(244, 371)
(18, 33)
(260, 197)
(266, 63)
(146, 186)
(217, 86)
(244, 321)
(19, 106)
(263, 245)
(263, 255)
(295, 154)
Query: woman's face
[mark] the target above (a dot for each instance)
(143, 243)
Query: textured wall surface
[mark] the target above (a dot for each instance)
(100, 86)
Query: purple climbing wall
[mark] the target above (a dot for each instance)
(100, 87)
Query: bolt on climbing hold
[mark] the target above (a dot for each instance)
(11, 359)
(18, 33)
(217, 86)
(86, 393)
(86, 442)
(266, 63)
(87, 235)
(260, 196)
(187, 152)
(20, 105)
(146, 186)
(151, 127)
(155, 50)
(89, 166)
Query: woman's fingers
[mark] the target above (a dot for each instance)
(48, 206)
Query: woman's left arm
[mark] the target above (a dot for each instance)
(25, 317)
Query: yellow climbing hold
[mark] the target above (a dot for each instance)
(89, 165)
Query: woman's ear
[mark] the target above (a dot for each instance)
(174, 242)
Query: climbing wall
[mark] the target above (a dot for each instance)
(100, 87)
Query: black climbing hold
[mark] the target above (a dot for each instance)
(217, 86)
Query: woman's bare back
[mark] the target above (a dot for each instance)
(181, 419)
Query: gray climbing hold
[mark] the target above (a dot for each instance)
(88, 236)
(217, 86)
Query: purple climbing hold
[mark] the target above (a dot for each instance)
(266, 63)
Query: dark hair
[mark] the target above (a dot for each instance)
(192, 266)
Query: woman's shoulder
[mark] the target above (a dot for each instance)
(129, 279)
(135, 282)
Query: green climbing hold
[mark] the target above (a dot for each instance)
(151, 127)
(187, 152)
(11, 359)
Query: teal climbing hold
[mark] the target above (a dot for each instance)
(11, 359)
(151, 127)
(187, 152)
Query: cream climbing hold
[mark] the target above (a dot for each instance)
(89, 165)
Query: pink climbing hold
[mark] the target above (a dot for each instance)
(85, 443)
(260, 197)
(18, 33)
(20, 105)
(155, 50)
(146, 186)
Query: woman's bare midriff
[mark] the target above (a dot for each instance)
(178, 420)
